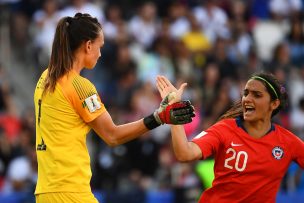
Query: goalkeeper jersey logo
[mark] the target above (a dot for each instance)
(41, 146)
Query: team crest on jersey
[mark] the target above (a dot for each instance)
(277, 153)
(92, 103)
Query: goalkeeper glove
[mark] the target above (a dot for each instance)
(177, 114)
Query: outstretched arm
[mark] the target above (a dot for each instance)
(183, 149)
(175, 113)
(114, 134)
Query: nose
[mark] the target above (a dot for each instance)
(247, 98)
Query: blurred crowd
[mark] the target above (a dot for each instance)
(213, 45)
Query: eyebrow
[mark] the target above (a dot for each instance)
(254, 91)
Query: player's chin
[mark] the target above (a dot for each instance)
(90, 66)
(248, 117)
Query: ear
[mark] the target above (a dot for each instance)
(88, 46)
(275, 104)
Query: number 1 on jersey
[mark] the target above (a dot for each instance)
(39, 111)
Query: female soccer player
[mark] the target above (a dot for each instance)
(67, 106)
(251, 153)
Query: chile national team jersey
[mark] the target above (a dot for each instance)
(247, 169)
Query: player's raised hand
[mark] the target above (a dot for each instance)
(166, 89)
(171, 110)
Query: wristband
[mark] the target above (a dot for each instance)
(150, 122)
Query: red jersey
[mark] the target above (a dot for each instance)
(247, 169)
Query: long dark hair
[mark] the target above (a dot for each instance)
(70, 33)
(275, 89)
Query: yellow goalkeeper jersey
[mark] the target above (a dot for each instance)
(61, 129)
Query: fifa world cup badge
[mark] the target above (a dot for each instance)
(92, 103)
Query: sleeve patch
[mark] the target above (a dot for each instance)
(92, 103)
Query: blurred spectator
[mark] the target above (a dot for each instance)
(20, 37)
(115, 28)
(219, 55)
(124, 78)
(281, 59)
(239, 11)
(213, 20)
(297, 119)
(144, 25)
(197, 43)
(222, 102)
(9, 120)
(295, 40)
(282, 9)
(183, 61)
(83, 6)
(296, 86)
(5, 90)
(185, 183)
(44, 22)
(156, 62)
(241, 42)
(179, 24)
(209, 87)
(267, 35)
(19, 176)
(5, 155)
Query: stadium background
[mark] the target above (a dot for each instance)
(213, 53)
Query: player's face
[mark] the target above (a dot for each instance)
(93, 50)
(256, 102)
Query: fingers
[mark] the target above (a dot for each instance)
(181, 89)
(159, 88)
(164, 83)
(160, 82)
(189, 111)
(165, 87)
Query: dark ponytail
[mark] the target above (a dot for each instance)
(70, 33)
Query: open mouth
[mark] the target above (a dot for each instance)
(249, 109)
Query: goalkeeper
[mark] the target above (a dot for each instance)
(67, 107)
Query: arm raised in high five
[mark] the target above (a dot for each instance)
(183, 149)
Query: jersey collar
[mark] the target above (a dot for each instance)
(239, 121)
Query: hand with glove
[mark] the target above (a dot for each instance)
(171, 110)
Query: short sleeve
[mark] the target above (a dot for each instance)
(208, 141)
(298, 154)
(84, 98)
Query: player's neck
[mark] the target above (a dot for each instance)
(257, 129)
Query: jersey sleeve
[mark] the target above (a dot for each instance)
(209, 140)
(298, 154)
(84, 98)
